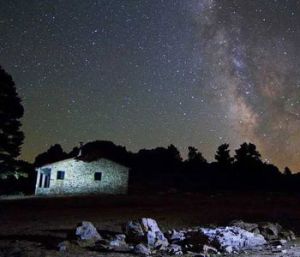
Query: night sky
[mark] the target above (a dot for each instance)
(150, 73)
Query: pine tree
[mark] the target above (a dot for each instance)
(223, 155)
(247, 153)
(287, 171)
(195, 156)
(11, 137)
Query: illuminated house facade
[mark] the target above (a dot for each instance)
(73, 176)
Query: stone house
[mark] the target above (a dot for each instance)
(74, 176)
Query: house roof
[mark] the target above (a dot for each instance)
(96, 150)
(77, 159)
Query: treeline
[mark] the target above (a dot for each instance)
(163, 169)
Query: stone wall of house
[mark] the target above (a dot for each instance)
(79, 178)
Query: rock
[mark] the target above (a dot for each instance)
(287, 235)
(133, 231)
(269, 230)
(145, 231)
(228, 249)
(142, 249)
(251, 227)
(161, 240)
(155, 238)
(231, 239)
(118, 240)
(115, 243)
(279, 242)
(176, 236)
(86, 231)
(118, 243)
(87, 234)
(209, 249)
(68, 246)
(63, 246)
(150, 238)
(149, 224)
(174, 249)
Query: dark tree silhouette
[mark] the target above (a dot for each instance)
(104, 149)
(53, 154)
(174, 153)
(247, 153)
(287, 171)
(11, 137)
(74, 152)
(195, 156)
(223, 156)
(157, 161)
(251, 172)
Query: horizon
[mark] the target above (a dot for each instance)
(183, 156)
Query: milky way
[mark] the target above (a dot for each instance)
(151, 73)
(253, 64)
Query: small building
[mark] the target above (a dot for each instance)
(74, 176)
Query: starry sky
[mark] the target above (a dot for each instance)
(147, 73)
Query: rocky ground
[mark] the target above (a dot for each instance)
(35, 226)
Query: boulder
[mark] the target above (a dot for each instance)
(115, 243)
(141, 249)
(176, 236)
(288, 235)
(87, 234)
(86, 231)
(133, 231)
(160, 240)
(145, 231)
(118, 243)
(270, 230)
(149, 224)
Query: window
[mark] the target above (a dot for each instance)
(60, 175)
(97, 176)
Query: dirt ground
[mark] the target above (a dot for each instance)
(33, 226)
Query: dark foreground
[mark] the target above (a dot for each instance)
(34, 226)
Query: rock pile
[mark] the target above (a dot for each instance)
(231, 239)
(270, 231)
(144, 237)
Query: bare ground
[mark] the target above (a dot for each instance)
(34, 226)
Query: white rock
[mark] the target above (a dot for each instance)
(174, 249)
(86, 231)
(149, 224)
(233, 238)
(142, 249)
